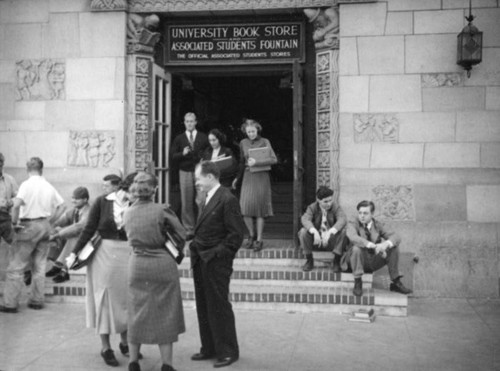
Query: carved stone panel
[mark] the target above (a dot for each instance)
(326, 26)
(108, 5)
(91, 148)
(435, 80)
(394, 202)
(375, 128)
(40, 79)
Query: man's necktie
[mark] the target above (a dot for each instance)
(191, 139)
(76, 216)
(367, 232)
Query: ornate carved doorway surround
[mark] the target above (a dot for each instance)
(141, 38)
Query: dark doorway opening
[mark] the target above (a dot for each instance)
(222, 101)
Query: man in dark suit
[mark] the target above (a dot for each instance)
(323, 227)
(218, 235)
(373, 245)
(187, 149)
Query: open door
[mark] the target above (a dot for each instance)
(298, 170)
(161, 130)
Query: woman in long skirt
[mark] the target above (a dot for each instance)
(155, 314)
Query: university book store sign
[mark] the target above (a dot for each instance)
(235, 43)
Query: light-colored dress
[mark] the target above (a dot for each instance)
(155, 314)
(255, 197)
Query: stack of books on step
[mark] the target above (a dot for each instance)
(363, 315)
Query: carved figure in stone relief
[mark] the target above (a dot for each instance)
(82, 143)
(56, 78)
(93, 151)
(25, 78)
(107, 149)
(73, 148)
(136, 24)
(326, 26)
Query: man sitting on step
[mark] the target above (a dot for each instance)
(372, 246)
(323, 228)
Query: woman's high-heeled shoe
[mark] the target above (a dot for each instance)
(249, 243)
(259, 245)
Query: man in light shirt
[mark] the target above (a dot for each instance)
(36, 204)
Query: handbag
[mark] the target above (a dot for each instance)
(85, 255)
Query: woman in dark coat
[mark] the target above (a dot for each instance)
(155, 314)
(216, 151)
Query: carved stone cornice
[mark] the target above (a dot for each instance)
(108, 5)
(148, 6)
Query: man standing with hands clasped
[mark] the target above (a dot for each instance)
(187, 149)
(218, 235)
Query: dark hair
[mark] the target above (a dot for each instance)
(366, 203)
(35, 163)
(323, 192)
(127, 182)
(81, 193)
(209, 167)
(221, 137)
(113, 179)
(250, 122)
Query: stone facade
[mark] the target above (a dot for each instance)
(421, 139)
(397, 121)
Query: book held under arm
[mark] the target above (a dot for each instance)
(223, 163)
(175, 246)
(261, 155)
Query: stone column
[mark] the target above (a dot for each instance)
(139, 91)
(325, 36)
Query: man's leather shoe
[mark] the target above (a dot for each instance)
(397, 286)
(7, 309)
(109, 357)
(201, 357)
(35, 306)
(61, 277)
(54, 271)
(249, 243)
(308, 266)
(358, 287)
(165, 367)
(134, 366)
(226, 361)
(259, 245)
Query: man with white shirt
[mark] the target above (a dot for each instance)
(373, 245)
(187, 150)
(35, 205)
(218, 235)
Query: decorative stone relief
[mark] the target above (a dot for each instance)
(108, 5)
(326, 26)
(91, 148)
(323, 178)
(394, 202)
(140, 33)
(375, 128)
(143, 70)
(323, 121)
(322, 63)
(324, 140)
(148, 6)
(324, 159)
(40, 79)
(434, 80)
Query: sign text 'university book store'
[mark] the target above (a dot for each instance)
(230, 43)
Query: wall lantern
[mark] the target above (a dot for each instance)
(470, 43)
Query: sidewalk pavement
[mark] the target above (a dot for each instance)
(438, 334)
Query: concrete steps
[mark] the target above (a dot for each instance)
(272, 280)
